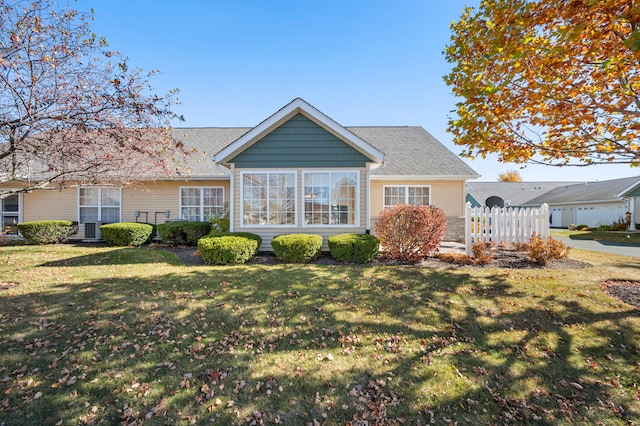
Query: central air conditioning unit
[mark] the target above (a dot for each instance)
(92, 231)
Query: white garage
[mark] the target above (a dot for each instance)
(596, 215)
(591, 203)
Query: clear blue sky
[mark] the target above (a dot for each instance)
(360, 62)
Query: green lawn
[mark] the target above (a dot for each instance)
(612, 236)
(111, 335)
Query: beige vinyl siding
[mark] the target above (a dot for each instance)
(149, 197)
(267, 233)
(155, 198)
(449, 195)
(50, 204)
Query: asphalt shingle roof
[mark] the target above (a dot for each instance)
(412, 151)
(605, 190)
(512, 193)
(409, 150)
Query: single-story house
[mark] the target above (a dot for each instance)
(298, 171)
(507, 194)
(589, 203)
(592, 203)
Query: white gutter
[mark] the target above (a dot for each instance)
(370, 168)
(423, 177)
(232, 202)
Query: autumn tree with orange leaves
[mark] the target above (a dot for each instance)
(510, 176)
(548, 81)
(71, 111)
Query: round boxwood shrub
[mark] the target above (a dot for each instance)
(353, 248)
(183, 233)
(47, 231)
(126, 233)
(227, 249)
(249, 235)
(297, 248)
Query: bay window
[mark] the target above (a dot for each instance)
(331, 198)
(268, 198)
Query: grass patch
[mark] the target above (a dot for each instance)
(610, 236)
(109, 335)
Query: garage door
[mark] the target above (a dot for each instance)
(556, 217)
(594, 216)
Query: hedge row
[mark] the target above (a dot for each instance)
(220, 249)
(47, 231)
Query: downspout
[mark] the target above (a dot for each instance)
(370, 168)
(232, 200)
(631, 208)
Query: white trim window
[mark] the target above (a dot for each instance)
(331, 198)
(268, 198)
(199, 203)
(10, 213)
(406, 194)
(99, 204)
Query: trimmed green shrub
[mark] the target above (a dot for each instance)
(353, 248)
(249, 235)
(227, 249)
(47, 231)
(297, 248)
(410, 232)
(582, 227)
(126, 233)
(603, 228)
(183, 233)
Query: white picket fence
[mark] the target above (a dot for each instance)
(504, 225)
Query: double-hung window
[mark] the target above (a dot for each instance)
(198, 204)
(331, 198)
(406, 194)
(269, 198)
(10, 213)
(99, 204)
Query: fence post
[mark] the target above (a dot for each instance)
(544, 219)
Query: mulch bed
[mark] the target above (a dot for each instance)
(504, 258)
(626, 291)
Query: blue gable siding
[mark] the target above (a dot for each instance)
(634, 193)
(299, 142)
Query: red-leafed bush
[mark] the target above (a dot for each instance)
(409, 233)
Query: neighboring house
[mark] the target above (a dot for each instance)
(592, 203)
(296, 172)
(507, 194)
(588, 203)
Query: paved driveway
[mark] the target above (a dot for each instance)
(603, 246)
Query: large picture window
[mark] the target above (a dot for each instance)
(406, 194)
(331, 198)
(198, 204)
(269, 198)
(99, 204)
